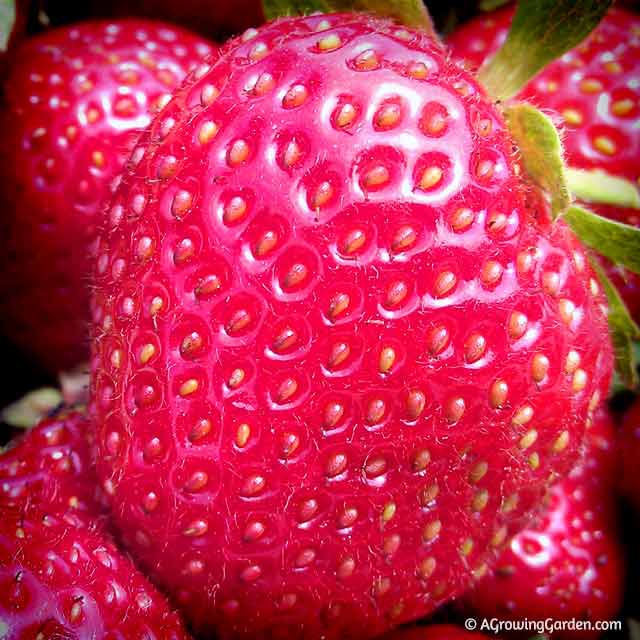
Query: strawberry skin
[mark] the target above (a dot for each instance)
(341, 350)
(570, 564)
(60, 573)
(595, 93)
(75, 100)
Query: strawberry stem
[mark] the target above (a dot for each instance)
(541, 31)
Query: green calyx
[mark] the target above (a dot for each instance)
(541, 31)
(541, 156)
(541, 152)
(623, 330)
(7, 22)
(411, 13)
(599, 187)
(31, 408)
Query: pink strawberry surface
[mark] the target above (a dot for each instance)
(569, 565)
(60, 574)
(75, 100)
(594, 91)
(339, 349)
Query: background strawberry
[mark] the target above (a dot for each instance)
(630, 453)
(60, 574)
(595, 93)
(341, 336)
(75, 101)
(570, 564)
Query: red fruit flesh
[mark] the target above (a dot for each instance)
(60, 574)
(570, 564)
(341, 346)
(75, 101)
(594, 91)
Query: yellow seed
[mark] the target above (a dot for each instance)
(579, 380)
(622, 107)
(466, 547)
(239, 152)
(427, 567)
(478, 472)
(432, 530)
(389, 511)
(346, 115)
(387, 359)
(480, 500)
(534, 460)
(510, 503)
(498, 394)
(330, 42)
(499, 537)
(445, 283)
(605, 145)
(572, 116)
(523, 415)
(561, 442)
(431, 176)
(188, 387)
(613, 67)
(539, 367)
(572, 362)
(243, 434)
(591, 85)
(208, 132)
(146, 353)
(462, 219)
(528, 439)
(418, 70)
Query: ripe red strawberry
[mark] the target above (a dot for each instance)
(434, 632)
(569, 565)
(595, 92)
(60, 574)
(339, 347)
(50, 465)
(76, 99)
(61, 579)
(630, 452)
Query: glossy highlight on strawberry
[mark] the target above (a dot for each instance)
(594, 93)
(75, 101)
(339, 349)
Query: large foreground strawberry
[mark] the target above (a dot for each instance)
(569, 566)
(342, 349)
(595, 94)
(75, 101)
(60, 574)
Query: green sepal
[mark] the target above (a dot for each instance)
(541, 152)
(31, 408)
(599, 187)
(541, 31)
(411, 13)
(615, 240)
(7, 22)
(622, 328)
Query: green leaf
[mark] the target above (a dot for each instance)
(7, 22)
(617, 241)
(622, 328)
(411, 13)
(541, 151)
(599, 187)
(541, 31)
(31, 408)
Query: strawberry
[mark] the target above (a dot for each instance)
(593, 90)
(569, 565)
(50, 465)
(434, 632)
(61, 576)
(339, 349)
(75, 98)
(629, 440)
